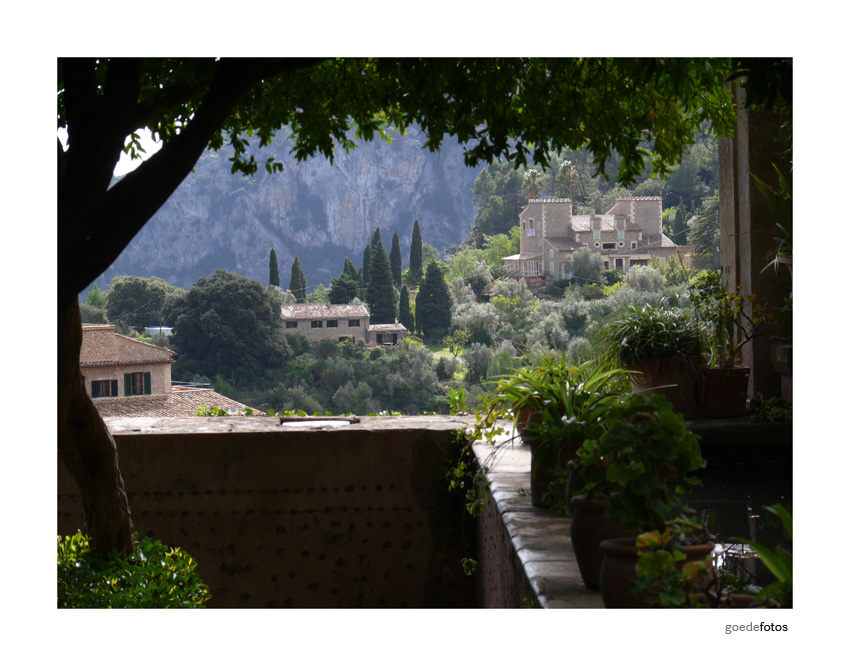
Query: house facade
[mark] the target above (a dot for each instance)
(114, 365)
(318, 321)
(629, 234)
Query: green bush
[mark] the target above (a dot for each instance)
(153, 576)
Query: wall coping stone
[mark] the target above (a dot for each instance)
(540, 538)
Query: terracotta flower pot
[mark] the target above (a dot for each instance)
(724, 392)
(676, 380)
(543, 464)
(588, 529)
(618, 571)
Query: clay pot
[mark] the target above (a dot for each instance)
(675, 379)
(543, 463)
(724, 392)
(588, 529)
(618, 571)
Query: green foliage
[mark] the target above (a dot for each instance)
(641, 462)
(778, 561)
(704, 233)
(90, 314)
(433, 304)
(729, 319)
(405, 316)
(96, 298)
(153, 576)
(780, 201)
(644, 278)
(586, 265)
(415, 264)
(395, 260)
(298, 281)
(380, 294)
(139, 301)
(648, 334)
(274, 273)
(229, 320)
(498, 198)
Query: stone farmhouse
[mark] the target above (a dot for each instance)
(128, 377)
(340, 322)
(114, 365)
(629, 234)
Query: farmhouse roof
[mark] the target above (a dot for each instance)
(322, 311)
(182, 403)
(102, 346)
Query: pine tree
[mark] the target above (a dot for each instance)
(434, 304)
(416, 253)
(405, 316)
(274, 274)
(380, 294)
(298, 282)
(395, 260)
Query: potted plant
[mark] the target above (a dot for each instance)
(641, 464)
(554, 405)
(570, 410)
(662, 348)
(729, 321)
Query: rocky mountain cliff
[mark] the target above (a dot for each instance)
(319, 211)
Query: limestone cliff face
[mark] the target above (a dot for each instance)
(319, 211)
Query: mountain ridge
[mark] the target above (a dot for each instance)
(319, 211)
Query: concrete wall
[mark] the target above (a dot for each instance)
(298, 515)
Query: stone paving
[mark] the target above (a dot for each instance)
(540, 538)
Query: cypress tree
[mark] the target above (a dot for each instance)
(364, 272)
(380, 294)
(434, 304)
(346, 287)
(395, 260)
(416, 253)
(405, 316)
(298, 282)
(274, 274)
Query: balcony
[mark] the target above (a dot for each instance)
(340, 514)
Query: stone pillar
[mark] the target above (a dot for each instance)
(748, 230)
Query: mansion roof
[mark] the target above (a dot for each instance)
(102, 346)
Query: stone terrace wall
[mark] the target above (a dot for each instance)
(318, 515)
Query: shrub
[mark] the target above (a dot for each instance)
(153, 576)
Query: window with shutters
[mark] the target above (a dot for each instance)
(104, 388)
(137, 383)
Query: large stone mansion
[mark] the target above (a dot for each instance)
(629, 234)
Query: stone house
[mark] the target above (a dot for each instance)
(114, 365)
(629, 234)
(318, 321)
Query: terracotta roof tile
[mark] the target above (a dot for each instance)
(102, 346)
(321, 311)
(175, 404)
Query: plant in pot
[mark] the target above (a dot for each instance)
(569, 411)
(554, 405)
(641, 464)
(662, 348)
(729, 321)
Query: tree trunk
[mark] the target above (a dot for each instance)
(86, 447)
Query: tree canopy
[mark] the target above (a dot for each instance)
(138, 301)
(227, 320)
